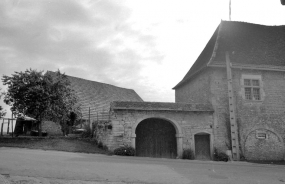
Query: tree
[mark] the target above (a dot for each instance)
(41, 96)
(2, 111)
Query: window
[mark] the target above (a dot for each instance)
(260, 134)
(252, 89)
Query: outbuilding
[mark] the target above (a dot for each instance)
(157, 129)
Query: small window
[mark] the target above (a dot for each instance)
(261, 135)
(252, 89)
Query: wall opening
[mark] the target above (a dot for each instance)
(202, 146)
(156, 137)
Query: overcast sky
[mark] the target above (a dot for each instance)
(145, 45)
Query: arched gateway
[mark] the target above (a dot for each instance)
(154, 129)
(156, 137)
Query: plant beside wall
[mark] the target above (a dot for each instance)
(100, 145)
(220, 156)
(188, 154)
(125, 151)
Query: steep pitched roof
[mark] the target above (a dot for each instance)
(160, 106)
(98, 96)
(249, 45)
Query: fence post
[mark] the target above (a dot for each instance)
(12, 129)
(2, 127)
(8, 127)
(90, 123)
(12, 125)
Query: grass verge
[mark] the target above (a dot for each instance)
(83, 145)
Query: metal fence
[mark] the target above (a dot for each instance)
(99, 115)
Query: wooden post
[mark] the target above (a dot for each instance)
(81, 121)
(12, 129)
(12, 126)
(40, 127)
(2, 127)
(90, 124)
(8, 127)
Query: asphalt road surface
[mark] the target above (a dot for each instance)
(24, 166)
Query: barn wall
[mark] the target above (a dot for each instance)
(124, 123)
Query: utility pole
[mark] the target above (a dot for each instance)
(233, 122)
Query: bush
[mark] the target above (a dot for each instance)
(125, 151)
(105, 148)
(220, 156)
(36, 133)
(100, 145)
(188, 154)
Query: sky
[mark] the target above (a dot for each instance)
(145, 45)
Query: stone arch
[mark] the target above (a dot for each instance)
(262, 149)
(179, 135)
(173, 122)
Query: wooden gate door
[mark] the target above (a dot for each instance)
(202, 147)
(156, 138)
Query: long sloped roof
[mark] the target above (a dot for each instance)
(249, 45)
(98, 96)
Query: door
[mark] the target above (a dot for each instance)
(202, 147)
(156, 138)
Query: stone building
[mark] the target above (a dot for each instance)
(97, 96)
(257, 57)
(94, 99)
(157, 129)
(201, 119)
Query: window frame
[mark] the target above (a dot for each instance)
(252, 87)
(260, 134)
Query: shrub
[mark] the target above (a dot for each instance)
(188, 154)
(105, 148)
(220, 156)
(100, 144)
(125, 151)
(87, 133)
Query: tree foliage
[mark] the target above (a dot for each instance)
(43, 96)
(2, 111)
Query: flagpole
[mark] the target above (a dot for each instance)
(230, 10)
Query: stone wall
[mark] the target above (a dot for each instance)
(197, 90)
(208, 87)
(266, 114)
(187, 124)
